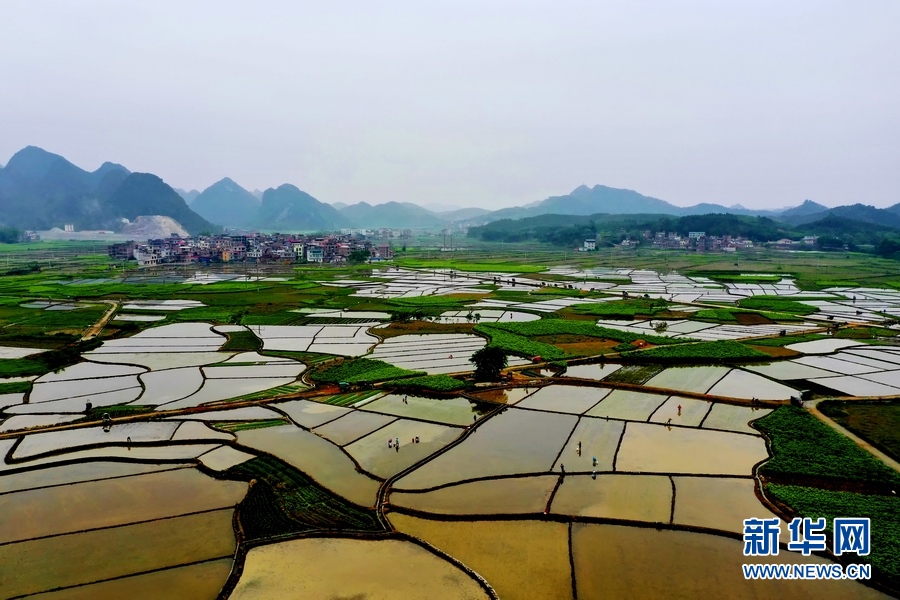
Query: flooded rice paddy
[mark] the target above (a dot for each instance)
(730, 417)
(651, 448)
(629, 497)
(349, 568)
(451, 411)
(417, 441)
(597, 372)
(682, 411)
(716, 503)
(520, 559)
(515, 441)
(38, 565)
(741, 384)
(111, 502)
(592, 446)
(198, 581)
(688, 379)
(564, 399)
(508, 495)
(130, 503)
(352, 426)
(613, 561)
(320, 459)
(628, 405)
(310, 414)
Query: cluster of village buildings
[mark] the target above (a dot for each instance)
(700, 242)
(260, 247)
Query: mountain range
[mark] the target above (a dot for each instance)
(41, 190)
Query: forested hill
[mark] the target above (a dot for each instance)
(571, 230)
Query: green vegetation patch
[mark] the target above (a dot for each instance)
(52, 360)
(349, 398)
(725, 315)
(562, 326)
(241, 341)
(636, 374)
(281, 390)
(827, 283)
(16, 387)
(519, 345)
(359, 370)
(277, 318)
(211, 314)
(514, 338)
(307, 358)
(865, 333)
(777, 304)
(433, 383)
(803, 445)
(788, 339)
(884, 511)
(500, 266)
(49, 320)
(283, 500)
(234, 426)
(876, 422)
(622, 309)
(742, 277)
(724, 350)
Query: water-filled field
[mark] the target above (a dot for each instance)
(538, 484)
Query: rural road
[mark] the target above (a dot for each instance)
(97, 327)
(812, 407)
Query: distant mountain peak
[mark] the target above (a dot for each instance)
(581, 190)
(227, 203)
(808, 207)
(147, 194)
(33, 162)
(288, 208)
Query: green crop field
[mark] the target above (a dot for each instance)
(777, 304)
(876, 422)
(360, 370)
(234, 426)
(718, 351)
(285, 501)
(884, 512)
(788, 339)
(622, 309)
(241, 341)
(349, 398)
(430, 383)
(803, 445)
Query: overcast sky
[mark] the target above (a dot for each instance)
(470, 102)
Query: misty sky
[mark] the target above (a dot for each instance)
(489, 103)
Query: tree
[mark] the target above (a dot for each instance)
(488, 361)
(10, 235)
(358, 256)
(661, 327)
